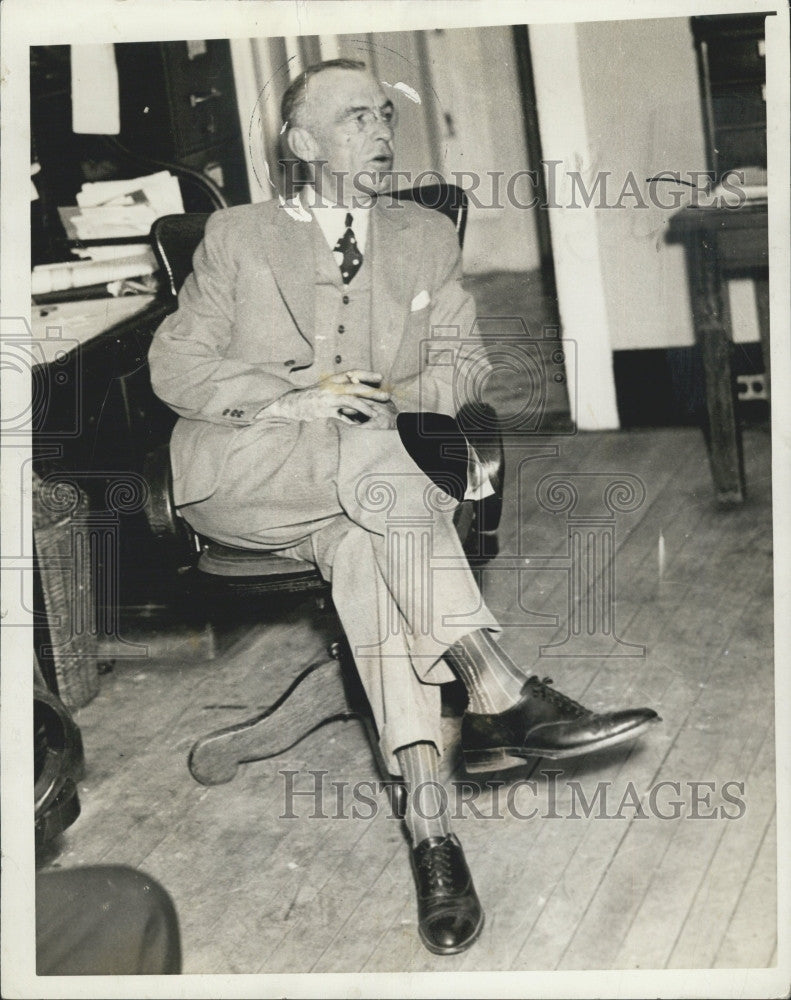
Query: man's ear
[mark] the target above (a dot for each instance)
(302, 144)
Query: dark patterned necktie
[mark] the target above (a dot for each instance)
(352, 258)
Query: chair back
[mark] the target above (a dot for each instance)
(175, 239)
(449, 199)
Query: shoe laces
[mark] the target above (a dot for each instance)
(543, 689)
(437, 864)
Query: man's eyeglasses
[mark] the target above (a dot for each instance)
(364, 118)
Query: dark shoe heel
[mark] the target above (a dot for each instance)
(476, 761)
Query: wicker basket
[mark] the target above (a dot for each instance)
(62, 540)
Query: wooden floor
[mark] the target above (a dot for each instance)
(624, 890)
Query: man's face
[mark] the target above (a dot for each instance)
(350, 122)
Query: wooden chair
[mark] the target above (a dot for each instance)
(326, 691)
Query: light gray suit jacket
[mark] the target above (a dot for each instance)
(245, 321)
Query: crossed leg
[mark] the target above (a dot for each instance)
(414, 618)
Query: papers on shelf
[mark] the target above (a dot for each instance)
(106, 221)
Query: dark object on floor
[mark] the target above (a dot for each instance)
(104, 920)
(545, 723)
(449, 913)
(665, 387)
(58, 764)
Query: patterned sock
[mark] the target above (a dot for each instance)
(426, 804)
(493, 681)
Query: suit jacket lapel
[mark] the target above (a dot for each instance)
(290, 252)
(391, 279)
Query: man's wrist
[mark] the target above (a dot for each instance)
(273, 409)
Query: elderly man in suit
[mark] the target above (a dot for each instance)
(310, 340)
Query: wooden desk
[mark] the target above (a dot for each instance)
(80, 321)
(83, 349)
(722, 243)
(96, 418)
(96, 406)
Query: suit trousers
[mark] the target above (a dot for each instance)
(385, 538)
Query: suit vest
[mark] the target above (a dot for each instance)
(342, 328)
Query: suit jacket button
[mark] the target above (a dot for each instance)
(225, 413)
(288, 364)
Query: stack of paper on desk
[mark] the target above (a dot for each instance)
(108, 210)
(135, 203)
(120, 208)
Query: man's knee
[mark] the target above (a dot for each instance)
(333, 542)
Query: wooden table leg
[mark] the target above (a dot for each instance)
(711, 313)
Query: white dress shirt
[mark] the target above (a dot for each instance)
(332, 219)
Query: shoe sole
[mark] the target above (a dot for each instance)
(459, 947)
(503, 758)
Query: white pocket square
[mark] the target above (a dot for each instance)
(420, 301)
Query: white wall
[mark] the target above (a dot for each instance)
(475, 78)
(576, 241)
(643, 116)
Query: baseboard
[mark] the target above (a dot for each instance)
(665, 387)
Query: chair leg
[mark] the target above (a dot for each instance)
(323, 692)
(214, 759)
